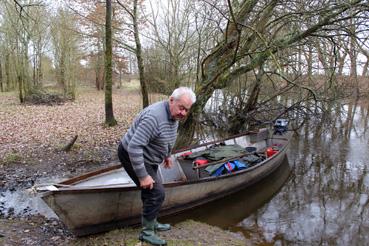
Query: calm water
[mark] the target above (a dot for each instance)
(319, 196)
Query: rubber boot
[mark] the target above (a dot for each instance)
(161, 227)
(148, 233)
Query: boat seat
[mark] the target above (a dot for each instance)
(188, 170)
(173, 174)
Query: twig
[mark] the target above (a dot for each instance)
(69, 146)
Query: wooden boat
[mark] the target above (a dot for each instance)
(107, 198)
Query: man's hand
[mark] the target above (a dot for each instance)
(147, 182)
(168, 163)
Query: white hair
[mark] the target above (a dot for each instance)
(180, 91)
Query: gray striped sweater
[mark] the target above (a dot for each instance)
(151, 137)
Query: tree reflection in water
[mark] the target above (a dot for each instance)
(326, 199)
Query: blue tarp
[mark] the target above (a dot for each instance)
(227, 167)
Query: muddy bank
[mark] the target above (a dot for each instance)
(24, 221)
(33, 230)
(37, 230)
(51, 166)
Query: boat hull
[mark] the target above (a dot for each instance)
(95, 209)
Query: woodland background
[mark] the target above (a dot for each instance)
(255, 60)
(73, 75)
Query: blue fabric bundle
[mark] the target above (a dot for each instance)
(228, 167)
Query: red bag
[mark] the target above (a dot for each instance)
(271, 151)
(186, 154)
(201, 162)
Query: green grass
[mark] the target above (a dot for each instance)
(133, 85)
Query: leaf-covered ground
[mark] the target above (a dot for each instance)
(30, 133)
(32, 136)
(31, 139)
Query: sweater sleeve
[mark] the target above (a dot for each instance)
(145, 131)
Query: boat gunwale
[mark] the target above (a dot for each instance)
(107, 169)
(114, 188)
(248, 133)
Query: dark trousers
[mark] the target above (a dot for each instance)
(151, 199)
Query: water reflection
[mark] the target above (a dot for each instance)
(232, 209)
(20, 202)
(326, 199)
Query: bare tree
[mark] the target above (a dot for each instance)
(65, 50)
(25, 36)
(255, 32)
(172, 35)
(182, 32)
(17, 40)
(133, 12)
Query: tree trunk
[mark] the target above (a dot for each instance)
(365, 68)
(140, 64)
(39, 64)
(20, 87)
(24, 67)
(99, 66)
(239, 121)
(309, 60)
(109, 115)
(97, 78)
(353, 59)
(34, 71)
(62, 80)
(341, 63)
(120, 79)
(7, 72)
(365, 52)
(1, 78)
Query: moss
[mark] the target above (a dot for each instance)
(126, 236)
(11, 158)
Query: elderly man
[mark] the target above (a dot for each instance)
(147, 144)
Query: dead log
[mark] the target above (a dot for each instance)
(69, 146)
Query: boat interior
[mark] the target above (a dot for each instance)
(183, 169)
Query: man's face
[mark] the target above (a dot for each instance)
(179, 108)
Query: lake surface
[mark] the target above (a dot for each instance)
(319, 196)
